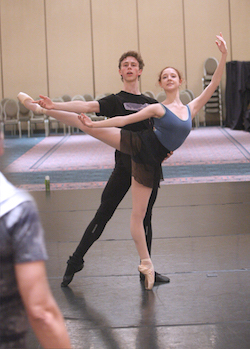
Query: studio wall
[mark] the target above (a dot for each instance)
(55, 47)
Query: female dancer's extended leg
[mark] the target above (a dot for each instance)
(109, 135)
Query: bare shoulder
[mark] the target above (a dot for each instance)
(157, 109)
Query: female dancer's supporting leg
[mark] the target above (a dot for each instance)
(140, 199)
(140, 193)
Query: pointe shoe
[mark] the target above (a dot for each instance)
(24, 97)
(148, 271)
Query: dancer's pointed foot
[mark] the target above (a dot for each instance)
(23, 96)
(28, 102)
(71, 269)
(146, 268)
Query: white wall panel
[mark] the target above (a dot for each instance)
(114, 32)
(160, 38)
(203, 20)
(23, 47)
(240, 28)
(69, 47)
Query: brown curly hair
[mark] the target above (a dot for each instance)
(134, 54)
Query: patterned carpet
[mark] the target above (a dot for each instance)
(210, 154)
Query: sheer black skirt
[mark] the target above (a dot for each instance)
(147, 154)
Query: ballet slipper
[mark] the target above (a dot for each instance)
(147, 270)
(36, 108)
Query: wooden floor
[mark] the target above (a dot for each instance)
(201, 241)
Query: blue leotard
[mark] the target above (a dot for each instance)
(170, 130)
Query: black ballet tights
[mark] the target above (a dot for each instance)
(92, 233)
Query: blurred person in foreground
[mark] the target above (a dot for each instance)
(25, 294)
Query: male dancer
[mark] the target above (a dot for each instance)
(127, 101)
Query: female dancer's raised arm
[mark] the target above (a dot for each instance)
(204, 97)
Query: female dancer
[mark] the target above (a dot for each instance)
(172, 122)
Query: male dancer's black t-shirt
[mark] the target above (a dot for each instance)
(124, 103)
